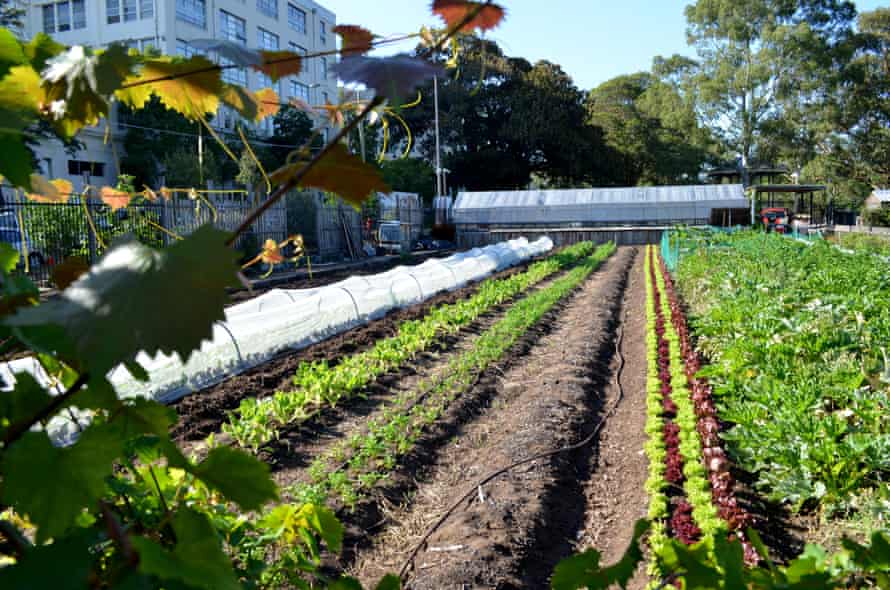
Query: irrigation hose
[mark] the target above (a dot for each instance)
(488, 478)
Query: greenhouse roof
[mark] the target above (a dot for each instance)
(733, 194)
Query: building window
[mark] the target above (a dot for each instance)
(147, 9)
(192, 11)
(296, 18)
(232, 28)
(325, 97)
(47, 167)
(268, 7)
(233, 75)
(298, 49)
(117, 11)
(64, 16)
(299, 90)
(323, 32)
(81, 167)
(49, 18)
(185, 49)
(266, 40)
(323, 67)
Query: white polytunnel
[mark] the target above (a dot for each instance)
(255, 330)
(643, 204)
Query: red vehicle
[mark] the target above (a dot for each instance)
(777, 219)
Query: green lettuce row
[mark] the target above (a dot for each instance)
(318, 385)
(395, 433)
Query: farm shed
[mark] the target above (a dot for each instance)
(632, 215)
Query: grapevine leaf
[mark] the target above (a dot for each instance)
(393, 77)
(345, 583)
(242, 100)
(334, 113)
(41, 49)
(234, 52)
(20, 101)
(356, 40)
(69, 270)
(82, 81)
(9, 257)
(16, 162)
(455, 11)
(128, 301)
(23, 402)
(190, 87)
(197, 559)
(584, 571)
(142, 416)
(339, 172)
(731, 557)
(61, 565)
(78, 477)
(389, 582)
(267, 100)
(114, 198)
(278, 64)
(240, 477)
(11, 53)
(49, 191)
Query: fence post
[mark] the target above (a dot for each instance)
(93, 243)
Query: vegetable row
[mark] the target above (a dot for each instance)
(354, 466)
(798, 341)
(690, 486)
(318, 384)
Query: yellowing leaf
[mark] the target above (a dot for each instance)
(49, 191)
(356, 40)
(191, 87)
(114, 198)
(268, 103)
(338, 172)
(334, 113)
(242, 100)
(278, 64)
(69, 270)
(453, 12)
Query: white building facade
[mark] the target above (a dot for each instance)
(301, 26)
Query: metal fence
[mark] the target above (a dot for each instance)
(46, 234)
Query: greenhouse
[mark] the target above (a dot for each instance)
(644, 205)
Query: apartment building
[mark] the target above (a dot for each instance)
(301, 26)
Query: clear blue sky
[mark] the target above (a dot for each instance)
(593, 40)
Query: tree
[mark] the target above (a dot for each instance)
(410, 175)
(503, 119)
(766, 70)
(293, 128)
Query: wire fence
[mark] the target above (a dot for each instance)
(46, 234)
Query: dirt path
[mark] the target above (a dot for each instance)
(292, 453)
(514, 530)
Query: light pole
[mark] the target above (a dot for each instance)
(438, 156)
(361, 125)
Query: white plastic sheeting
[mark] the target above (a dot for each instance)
(645, 204)
(257, 329)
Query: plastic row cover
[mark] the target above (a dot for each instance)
(278, 320)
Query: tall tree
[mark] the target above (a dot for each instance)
(11, 14)
(765, 61)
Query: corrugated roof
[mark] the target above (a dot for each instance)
(649, 203)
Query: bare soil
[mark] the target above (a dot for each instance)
(202, 412)
(548, 395)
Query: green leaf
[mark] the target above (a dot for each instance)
(9, 257)
(11, 52)
(129, 301)
(240, 477)
(345, 583)
(41, 48)
(197, 560)
(52, 485)
(23, 402)
(584, 571)
(62, 565)
(389, 582)
(325, 523)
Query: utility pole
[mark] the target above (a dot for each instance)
(361, 126)
(438, 157)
